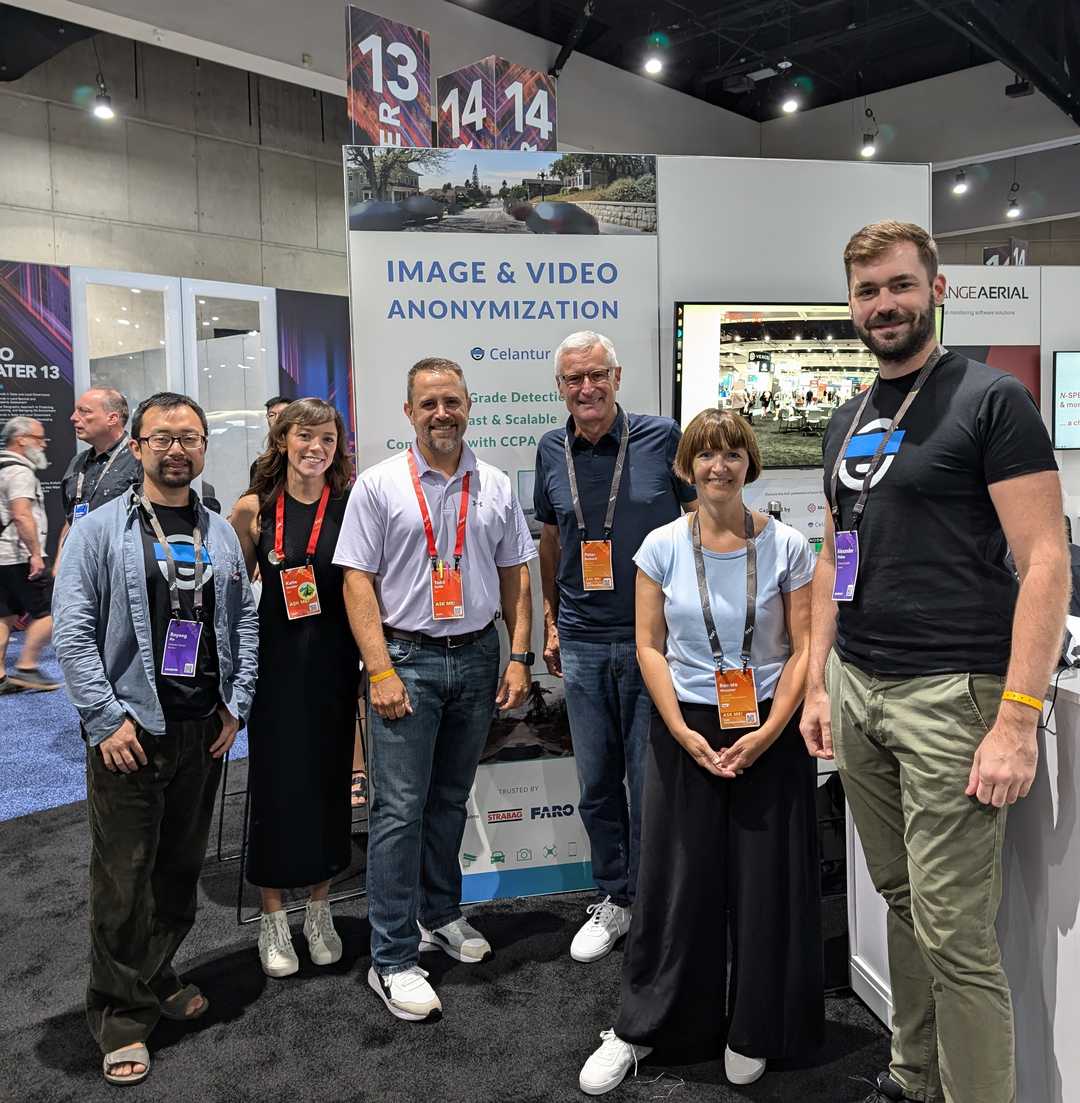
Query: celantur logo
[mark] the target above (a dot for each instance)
(860, 453)
(476, 352)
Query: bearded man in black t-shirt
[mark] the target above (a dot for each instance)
(928, 663)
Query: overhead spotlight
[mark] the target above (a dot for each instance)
(869, 146)
(790, 104)
(1013, 210)
(960, 184)
(783, 64)
(653, 65)
(870, 133)
(103, 106)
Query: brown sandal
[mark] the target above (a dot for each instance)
(175, 1007)
(358, 794)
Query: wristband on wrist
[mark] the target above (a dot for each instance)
(1023, 699)
(375, 679)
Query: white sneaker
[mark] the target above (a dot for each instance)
(607, 923)
(276, 953)
(323, 941)
(740, 1069)
(458, 938)
(407, 994)
(608, 1066)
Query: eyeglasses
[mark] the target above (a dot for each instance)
(597, 377)
(37, 436)
(162, 442)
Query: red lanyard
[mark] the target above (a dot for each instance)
(316, 528)
(463, 513)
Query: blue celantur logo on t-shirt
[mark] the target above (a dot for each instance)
(861, 450)
(183, 549)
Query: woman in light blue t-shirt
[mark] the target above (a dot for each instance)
(729, 846)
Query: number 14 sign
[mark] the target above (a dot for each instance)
(495, 104)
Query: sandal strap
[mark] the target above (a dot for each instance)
(183, 996)
(130, 1055)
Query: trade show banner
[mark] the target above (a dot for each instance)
(992, 314)
(496, 287)
(388, 81)
(36, 377)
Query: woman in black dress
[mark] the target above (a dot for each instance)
(303, 718)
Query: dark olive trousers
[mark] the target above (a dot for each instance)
(148, 834)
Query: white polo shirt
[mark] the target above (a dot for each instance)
(20, 480)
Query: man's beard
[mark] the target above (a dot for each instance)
(37, 458)
(443, 443)
(174, 476)
(921, 328)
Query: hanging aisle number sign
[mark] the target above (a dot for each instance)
(467, 107)
(389, 81)
(495, 104)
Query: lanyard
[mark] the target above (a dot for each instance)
(316, 528)
(170, 562)
(101, 478)
(429, 532)
(620, 461)
(751, 593)
(875, 463)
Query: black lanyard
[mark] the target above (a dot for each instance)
(751, 593)
(118, 448)
(875, 463)
(170, 563)
(620, 461)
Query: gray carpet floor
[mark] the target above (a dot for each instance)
(515, 1028)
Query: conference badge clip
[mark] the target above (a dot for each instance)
(847, 565)
(181, 648)
(447, 595)
(81, 510)
(596, 569)
(736, 699)
(301, 593)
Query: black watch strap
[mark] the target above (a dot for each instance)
(527, 658)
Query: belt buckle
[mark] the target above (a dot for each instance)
(457, 641)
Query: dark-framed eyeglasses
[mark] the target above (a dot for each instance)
(161, 441)
(597, 377)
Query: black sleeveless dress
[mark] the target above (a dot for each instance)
(302, 725)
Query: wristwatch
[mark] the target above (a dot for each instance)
(526, 658)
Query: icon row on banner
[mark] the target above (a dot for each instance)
(490, 104)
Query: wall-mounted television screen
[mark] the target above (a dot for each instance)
(785, 366)
(1066, 400)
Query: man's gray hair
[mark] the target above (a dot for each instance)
(16, 427)
(114, 402)
(582, 341)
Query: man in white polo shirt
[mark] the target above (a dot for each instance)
(433, 543)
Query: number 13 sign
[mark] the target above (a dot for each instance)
(495, 104)
(389, 81)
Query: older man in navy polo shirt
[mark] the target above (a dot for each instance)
(602, 484)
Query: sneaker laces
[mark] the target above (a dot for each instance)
(278, 940)
(409, 977)
(322, 921)
(613, 1046)
(602, 912)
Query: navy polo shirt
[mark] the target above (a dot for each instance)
(650, 495)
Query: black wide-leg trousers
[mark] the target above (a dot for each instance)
(726, 859)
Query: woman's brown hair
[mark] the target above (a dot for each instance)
(716, 430)
(271, 466)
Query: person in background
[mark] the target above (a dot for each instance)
(157, 636)
(433, 544)
(25, 583)
(928, 664)
(106, 468)
(273, 405)
(301, 743)
(729, 840)
(602, 484)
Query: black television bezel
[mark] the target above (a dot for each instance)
(1054, 393)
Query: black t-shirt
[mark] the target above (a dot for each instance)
(934, 595)
(181, 698)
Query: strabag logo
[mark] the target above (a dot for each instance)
(506, 815)
(551, 811)
(860, 453)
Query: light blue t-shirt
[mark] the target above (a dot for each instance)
(784, 563)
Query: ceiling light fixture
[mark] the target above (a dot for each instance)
(1014, 210)
(870, 133)
(790, 104)
(102, 101)
(653, 65)
(869, 146)
(960, 184)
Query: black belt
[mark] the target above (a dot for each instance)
(445, 642)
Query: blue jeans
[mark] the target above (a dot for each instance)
(421, 768)
(609, 710)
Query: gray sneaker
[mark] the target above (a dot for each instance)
(458, 938)
(31, 679)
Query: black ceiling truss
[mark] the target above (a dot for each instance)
(574, 37)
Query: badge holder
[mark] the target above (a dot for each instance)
(597, 572)
(298, 583)
(847, 565)
(447, 587)
(447, 597)
(736, 698)
(181, 654)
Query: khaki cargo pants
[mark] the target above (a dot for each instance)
(904, 748)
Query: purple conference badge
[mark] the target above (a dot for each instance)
(847, 565)
(181, 648)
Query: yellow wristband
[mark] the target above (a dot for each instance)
(1023, 699)
(374, 679)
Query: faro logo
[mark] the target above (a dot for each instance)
(477, 353)
(551, 811)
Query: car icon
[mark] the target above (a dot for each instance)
(498, 857)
